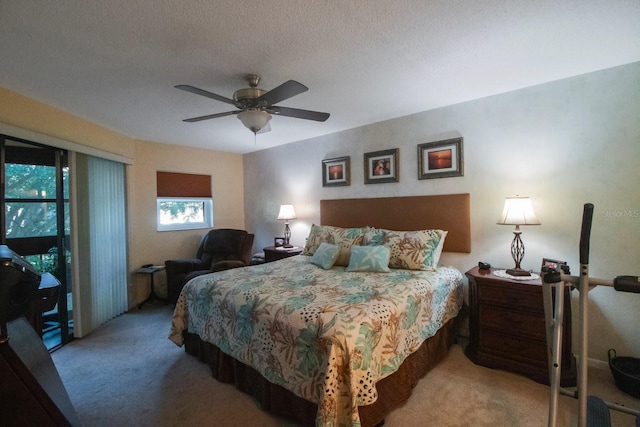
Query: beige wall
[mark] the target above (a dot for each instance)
(25, 113)
(563, 143)
(150, 246)
(146, 245)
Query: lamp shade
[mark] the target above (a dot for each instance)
(286, 212)
(254, 120)
(518, 211)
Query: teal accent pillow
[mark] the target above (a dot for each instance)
(369, 258)
(326, 255)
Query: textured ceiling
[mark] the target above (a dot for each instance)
(115, 62)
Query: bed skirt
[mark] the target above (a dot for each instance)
(393, 390)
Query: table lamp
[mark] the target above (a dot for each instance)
(518, 211)
(286, 213)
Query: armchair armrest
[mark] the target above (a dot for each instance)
(182, 266)
(219, 266)
(227, 265)
(195, 274)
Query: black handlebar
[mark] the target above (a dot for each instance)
(627, 284)
(585, 234)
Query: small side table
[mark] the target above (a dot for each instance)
(272, 253)
(150, 271)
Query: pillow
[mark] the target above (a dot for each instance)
(369, 258)
(346, 238)
(414, 250)
(317, 235)
(373, 236)
(325, 256)
(438, 251)
(342, 237)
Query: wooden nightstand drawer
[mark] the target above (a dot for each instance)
(511, 297)
(514, 322)
(512, 347)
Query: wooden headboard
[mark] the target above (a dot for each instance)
(449, 212)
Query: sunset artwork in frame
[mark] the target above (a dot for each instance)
(440, 159)
(335, 172)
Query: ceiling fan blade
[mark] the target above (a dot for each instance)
(299, 114)
(205, 93)
(211, 116)
(285, 91)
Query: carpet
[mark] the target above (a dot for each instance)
(127, 373)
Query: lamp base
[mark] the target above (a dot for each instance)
(518, 272)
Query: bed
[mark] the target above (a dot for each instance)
(332, 342)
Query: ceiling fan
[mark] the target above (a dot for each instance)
(255, 105)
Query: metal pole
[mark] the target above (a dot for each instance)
(585, 234)
(583, 354)
(555, 329)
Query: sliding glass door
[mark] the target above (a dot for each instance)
(35, 221)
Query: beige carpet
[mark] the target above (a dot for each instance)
(127, 373)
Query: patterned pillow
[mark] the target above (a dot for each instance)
(373, 236)
(369, 258)
(317, 235)
(347, 238)
(342, 237)
(412, 250)
(438, 251)
(325, 256)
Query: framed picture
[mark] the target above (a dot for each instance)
(440, 159)
(553, 263)
(278, 242)
(335, 172)
(381, 166)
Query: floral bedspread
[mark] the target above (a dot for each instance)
(326, 335)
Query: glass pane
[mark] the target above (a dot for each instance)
(181, 212)
(67, 219)
(65, 183)
(30, 181)
(44, 263)
(30, 219)
(52, 318)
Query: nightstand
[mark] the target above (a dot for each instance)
(272, 253)
(507, 327)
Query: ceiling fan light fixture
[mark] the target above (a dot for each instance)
(254, 120)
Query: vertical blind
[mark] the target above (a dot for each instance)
(102, 241)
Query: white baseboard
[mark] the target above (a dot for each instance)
(598, 364)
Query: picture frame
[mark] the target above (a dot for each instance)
(440, 159)
(553, 263)
(381, 166)
(336, 172)
(278, 242)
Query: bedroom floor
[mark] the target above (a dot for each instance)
(128, 373)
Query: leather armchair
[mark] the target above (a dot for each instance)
(219, 249)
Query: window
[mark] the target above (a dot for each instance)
(184, 201)
(35, 222)
(30, 200)
(184, 214)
